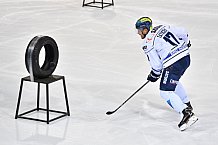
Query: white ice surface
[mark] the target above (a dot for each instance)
(101, 58)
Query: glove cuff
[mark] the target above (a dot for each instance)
(154, 75)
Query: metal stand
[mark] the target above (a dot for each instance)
(96, 4)
(46, 81)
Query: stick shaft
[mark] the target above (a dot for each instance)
(130, 97)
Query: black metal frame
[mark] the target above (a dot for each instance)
(46, 81)
(102, 3)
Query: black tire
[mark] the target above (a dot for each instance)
(32, 56)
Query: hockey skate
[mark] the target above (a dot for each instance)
(188, 119)
(189, 106)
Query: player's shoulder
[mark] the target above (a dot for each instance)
(156, 29)
(152, 35)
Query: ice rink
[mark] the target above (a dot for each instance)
(101, 58)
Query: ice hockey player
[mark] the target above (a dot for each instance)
(167, 49)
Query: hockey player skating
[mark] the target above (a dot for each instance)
(167, 49)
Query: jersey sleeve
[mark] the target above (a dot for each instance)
(154, 59)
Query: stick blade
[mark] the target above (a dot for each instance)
(109, 112)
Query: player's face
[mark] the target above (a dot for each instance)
(142, 33)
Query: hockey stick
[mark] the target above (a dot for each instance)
(111, 112)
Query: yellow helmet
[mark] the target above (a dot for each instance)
(144, 22)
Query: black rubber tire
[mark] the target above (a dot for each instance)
(51, 56)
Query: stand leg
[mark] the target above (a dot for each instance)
(38, 94)
(102, 4)
(19, 98)
(112, 2)
(47, 102)
(65, 93)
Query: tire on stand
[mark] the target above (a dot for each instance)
(32, 56)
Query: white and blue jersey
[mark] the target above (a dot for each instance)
(164, 45)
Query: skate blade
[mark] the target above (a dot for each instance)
(190, 122)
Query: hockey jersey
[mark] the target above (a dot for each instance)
(164, 45)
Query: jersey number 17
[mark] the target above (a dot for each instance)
(170, 38)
